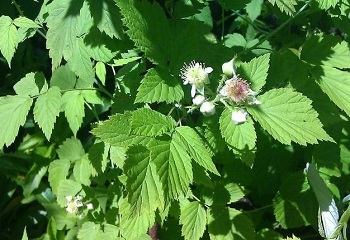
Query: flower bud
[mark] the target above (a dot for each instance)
(207, 108)
(239, 116)
(228, 69)
(198, 100)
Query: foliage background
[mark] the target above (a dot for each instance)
(92, 104)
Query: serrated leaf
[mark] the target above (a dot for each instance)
(159, 86)
(67, 188)
(148, 28)
(71, 149)
(326, 4)
(58, 171)
(124, 61)
(14, 110)
(64, 26)
(229, 224)
(89, 231)
(8, 38)
(196, 148)
(253, 9)
(173, 166)
(25, 22)
(288, 116)
(47, 109)
(133, 226)
(63, 77)
(255, 71)
(327, 50)
(287, 6)
(83, 170)
(73, 103)
(336, 84)
(147, 122)
(27, 86)
(101, 72)
(117, 131)
(25, 236)
(193, 220)
(240, 136)
(143, 184)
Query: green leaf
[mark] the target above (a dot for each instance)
(25, 236)
(63, 77)
(159, 86)
(8, 38)
(288, 116)
(196, 148)
(295, 205)
(71, 149)
(64, 25)
(335, 83)
(101, 72)
(287, 6)
(148, 28)
(27, 86)
(83, 170)
(25, 22)
(117, 131)
(47, 109)
(146, 122)
(326, 4)
(193, 220)
(227, 193)
(253, 9)
(229, 224)
(124, 61)
(89, 231)
(173, 166)
(67, 188)
(255, 71)
(240, 136)
(79, 61)
(14, 110)
(58, 171)
(73, 104)
(143, 184)
(327, 50)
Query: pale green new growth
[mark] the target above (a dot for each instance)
(193, 220)
(27, 86)
(25, 22)
(326, 4)
(8, 38)
(288, 116)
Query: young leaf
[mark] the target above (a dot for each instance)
(25, 22)
(195, 148)
(159, 86)
(47, 109)
(255, 71)
(71, 149)
(173, 166)
(73, 102)
(8, 38)
(27, 86)
(336, 84)
(240, 136)
(145, 194)
(148, 28)
(229, 224)
(14, 110)
(286, 6)
(58, 171)
(193, 220)
(288, 116)
(146, 122)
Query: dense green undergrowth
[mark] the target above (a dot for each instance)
(174, 119)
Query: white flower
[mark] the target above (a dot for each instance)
(89, 206)
(238, 90)
(228, 69)
(207, 108)
(69, 198)
(195, 74)
(73, 204)
(198, 100)
(239, 116)
(78, 201)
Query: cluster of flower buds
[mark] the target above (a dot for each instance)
(75, 204)
(235, 90)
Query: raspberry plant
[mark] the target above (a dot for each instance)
(175, 119)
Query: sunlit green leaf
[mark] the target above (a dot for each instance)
(8, 38)
(193, 220)
(27, 86)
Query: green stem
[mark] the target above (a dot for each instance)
(259, 209)
(249, 22)
(18, 8)
(101, 88)
(274, 32)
